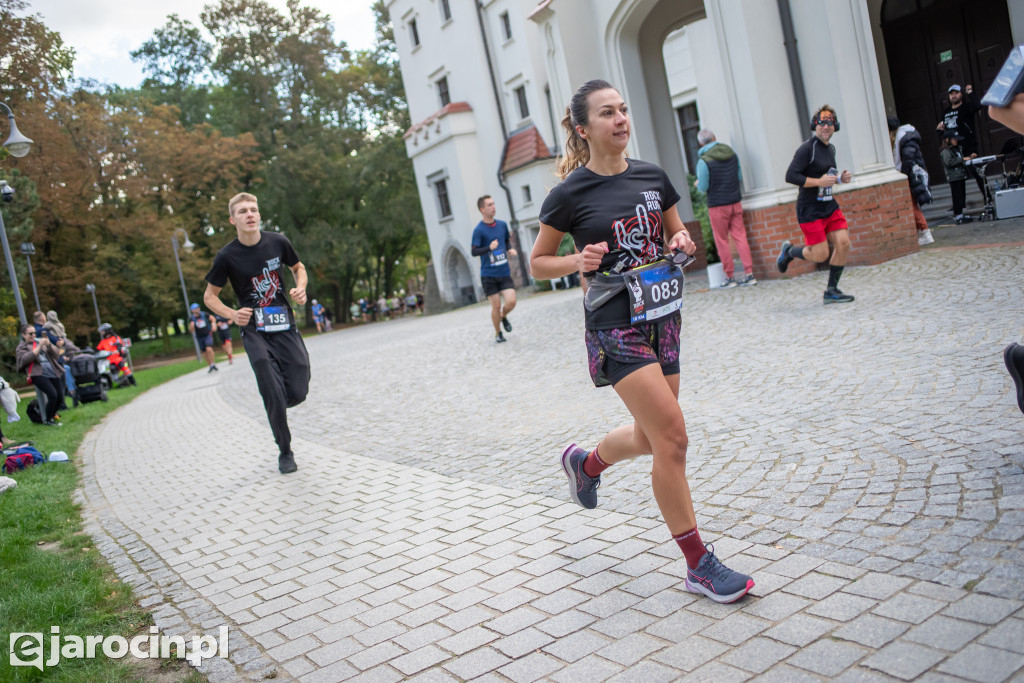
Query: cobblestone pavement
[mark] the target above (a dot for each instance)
(864, 462)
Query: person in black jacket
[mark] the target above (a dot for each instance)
(906, 154)
(813, 169)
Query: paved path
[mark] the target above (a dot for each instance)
(864, 462)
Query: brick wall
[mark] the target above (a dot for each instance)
(881, 228)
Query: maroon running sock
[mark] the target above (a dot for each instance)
(692, 547)
(593, 466)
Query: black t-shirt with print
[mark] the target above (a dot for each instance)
(624, 210)
(256, 273)
(812, 159)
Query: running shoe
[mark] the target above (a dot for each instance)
(784, 258)
(715, 580)
(1013, 357)
(213, 368)
(582, 487)
(499, 338)
(506, 324)
(747, 279)
(729, 283)
(286, 463)
(834, 296)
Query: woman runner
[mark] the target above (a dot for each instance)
(622, 216)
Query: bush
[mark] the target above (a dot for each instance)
(700, 213)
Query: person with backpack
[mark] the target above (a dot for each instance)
(39, 359)
(909, 160)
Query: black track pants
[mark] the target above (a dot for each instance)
(281, 364)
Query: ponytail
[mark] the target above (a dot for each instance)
(577, 151)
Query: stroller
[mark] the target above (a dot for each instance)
(92, 382)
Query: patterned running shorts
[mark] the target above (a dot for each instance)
(613, 354)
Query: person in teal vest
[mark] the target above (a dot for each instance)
(719, 176)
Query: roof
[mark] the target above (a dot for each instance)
(523, 148)
(450, 108)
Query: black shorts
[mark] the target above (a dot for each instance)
(225, 335)
(205, 342)
(494, 285)
(613, 354)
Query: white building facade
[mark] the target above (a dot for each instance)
(488, 82)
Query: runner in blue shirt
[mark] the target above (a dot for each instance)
(492, 243)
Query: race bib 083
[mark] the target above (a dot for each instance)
(654, 292)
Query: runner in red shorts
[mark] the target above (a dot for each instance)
(813, 169)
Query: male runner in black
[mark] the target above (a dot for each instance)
(813, 170)
(254, 263)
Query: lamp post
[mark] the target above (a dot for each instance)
(92, 290)
(187, 245)
(18, 145)
(28, 250)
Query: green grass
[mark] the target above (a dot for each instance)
(51, 574)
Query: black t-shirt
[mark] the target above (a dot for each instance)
(624, 210)
(812, 160)
(257, 273)
(961, 121)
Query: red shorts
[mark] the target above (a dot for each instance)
(815, 231)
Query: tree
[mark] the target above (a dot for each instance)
(177, 60)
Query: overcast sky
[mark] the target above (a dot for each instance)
(104, 32)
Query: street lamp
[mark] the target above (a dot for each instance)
(18, 145)
(92, 290)
(28, 250)
(187, 245)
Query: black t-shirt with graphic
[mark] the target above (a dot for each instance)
(202, 323)
(256, 273)
(624, 210)
(812, 159)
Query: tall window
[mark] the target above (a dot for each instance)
(689, 126)
(444, 207)
(442, 91)
(527, 195)
(506, 26)
(414, 33)
(446, 11)
(524, 109)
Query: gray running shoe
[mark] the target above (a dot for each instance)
(582, 487)
(748, 279)
(728, 284)
(715, 580)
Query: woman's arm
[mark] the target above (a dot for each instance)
(677, 237)
(545, 264)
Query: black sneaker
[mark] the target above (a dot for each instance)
(834, 296)
(213, 368)
(506, 324)
(499, 338)
(784, 258)
(286, 463)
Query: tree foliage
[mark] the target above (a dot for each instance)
(251, 99)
